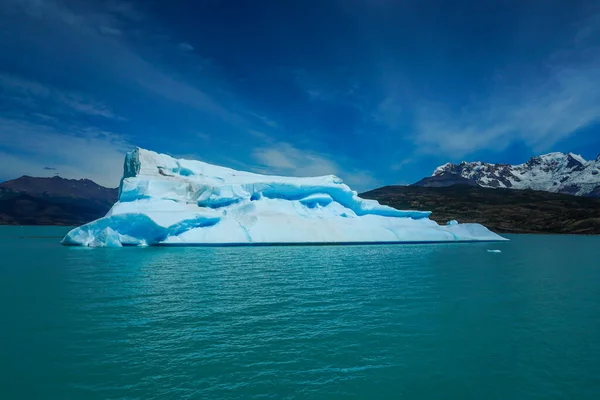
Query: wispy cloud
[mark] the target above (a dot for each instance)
(266, 121)
(90, 28)
(107, 30)
(36, 95)
(102, 42)
(540, 110)
(86, 18)
(75, 152)
(389, 112)
(285, 159)
(117, 43)
(395, 101)
(48, 126)
(204, 136)
(588, 27)
(401, 164)
(538, 115)
(338, 86)
(185, 47)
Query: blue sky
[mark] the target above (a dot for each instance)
(374, 91)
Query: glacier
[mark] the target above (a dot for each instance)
(168, 201)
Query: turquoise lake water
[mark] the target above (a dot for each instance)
(438, 321)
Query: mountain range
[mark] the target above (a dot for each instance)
(53, 201)
(565, 173)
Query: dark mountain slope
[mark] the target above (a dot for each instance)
(53, 201)
(60, 187)
(444, 179)
(502, 210)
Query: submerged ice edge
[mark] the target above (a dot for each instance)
(164, 201)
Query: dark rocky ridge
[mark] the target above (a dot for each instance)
(60, 187)
(444, 179)
(501, 210)
(53, 201)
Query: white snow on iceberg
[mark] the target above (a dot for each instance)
(170, 201)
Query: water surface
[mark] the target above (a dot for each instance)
(437, 321)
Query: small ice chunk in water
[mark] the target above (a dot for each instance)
(452, 222)
(107, 237)
(494, 251)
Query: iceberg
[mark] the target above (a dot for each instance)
(168, 201)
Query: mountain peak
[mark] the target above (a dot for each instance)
(553, 172)
(577, 157)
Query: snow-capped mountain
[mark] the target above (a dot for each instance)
(554, 172)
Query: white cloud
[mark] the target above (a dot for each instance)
(284, 159)
(26, 148)
(539, 115)
(360, 181)
(560, 98)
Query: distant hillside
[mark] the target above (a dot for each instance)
(53, 201)
(501, 210)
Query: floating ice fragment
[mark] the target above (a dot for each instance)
(494, 251)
